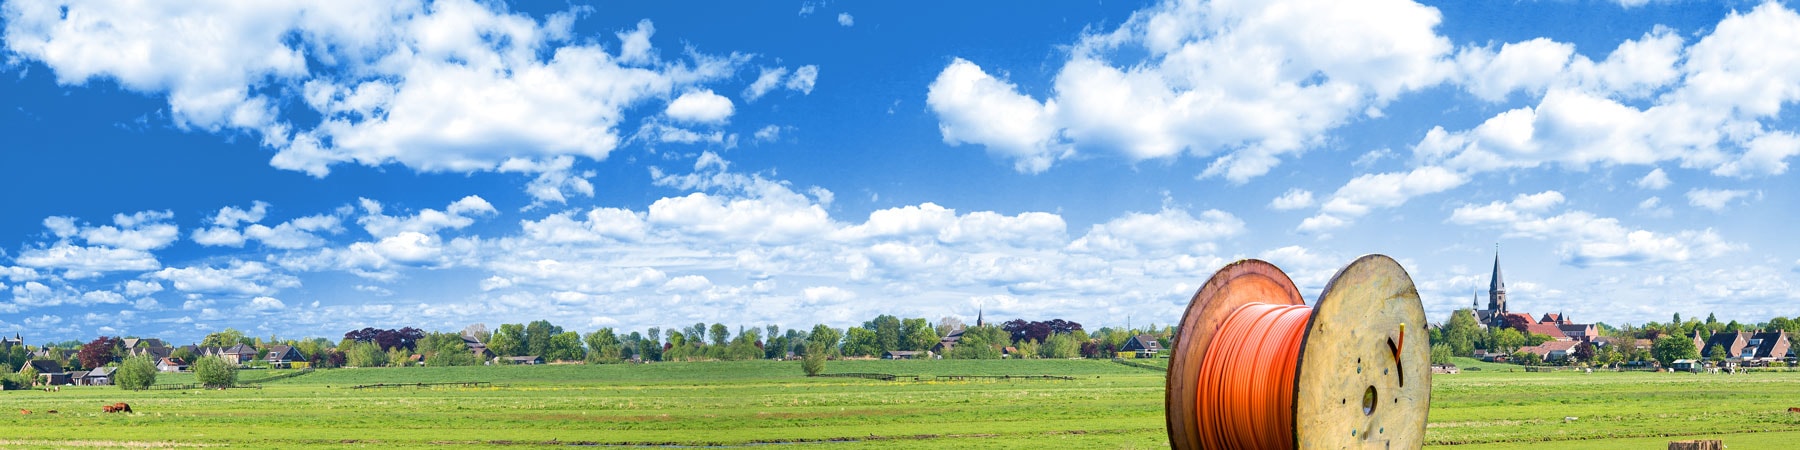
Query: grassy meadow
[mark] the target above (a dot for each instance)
(753, 403)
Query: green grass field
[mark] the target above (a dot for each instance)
(750, 403)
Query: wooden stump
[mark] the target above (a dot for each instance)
(1697, 445)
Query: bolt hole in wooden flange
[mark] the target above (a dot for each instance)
(1369, 401)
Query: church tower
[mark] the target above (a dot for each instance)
(1497, 289)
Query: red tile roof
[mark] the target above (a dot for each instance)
(1545, 349)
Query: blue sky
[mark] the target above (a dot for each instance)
(306, 168)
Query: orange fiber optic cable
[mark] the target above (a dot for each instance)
(1245, 398)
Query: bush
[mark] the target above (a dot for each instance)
(453, 357)
(15, 381)
(214, 372)
(136, 374)
(363, 354)
(814, 361)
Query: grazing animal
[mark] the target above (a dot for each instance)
(109, 409)
(50, 412)
(119, 407)
(24, 411)
(1794, 410)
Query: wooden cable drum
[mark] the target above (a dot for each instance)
(1254, 367)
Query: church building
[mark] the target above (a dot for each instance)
(1557, 326)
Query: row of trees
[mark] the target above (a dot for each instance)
(374, 347)
(1050, 339)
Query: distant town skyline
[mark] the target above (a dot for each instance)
(307, 169)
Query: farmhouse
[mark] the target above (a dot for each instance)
(49, 371)
(282, 356)
(170, 364)
(1141, 346)
(477, 347)
(948, 342)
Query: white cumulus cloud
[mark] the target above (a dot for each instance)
(454, 85)
(700, 106)
(1715, 199)
(1243, 83)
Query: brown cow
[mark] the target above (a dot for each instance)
(24, 411)
(1794, 410)
(119, 407)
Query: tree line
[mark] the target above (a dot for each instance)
(408, 346)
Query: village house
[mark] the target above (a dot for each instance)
(238, 354)
(1490, 356)
(1140, 346)
(283, 356)
(948, 342)
(477, 347)
(1552, 350)
(101, 376)
(1749, 347)
(153, 348)
(53, 353)
(171, 364)
(49, 372)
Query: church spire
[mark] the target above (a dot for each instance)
(1497, 286)
(978, 317)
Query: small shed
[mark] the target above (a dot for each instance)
(900, 354)
(524, 360)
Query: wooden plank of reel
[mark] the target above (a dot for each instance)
(1360, 381)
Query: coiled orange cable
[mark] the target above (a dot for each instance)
(1246, 386)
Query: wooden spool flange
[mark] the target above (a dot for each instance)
(1351, 389)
